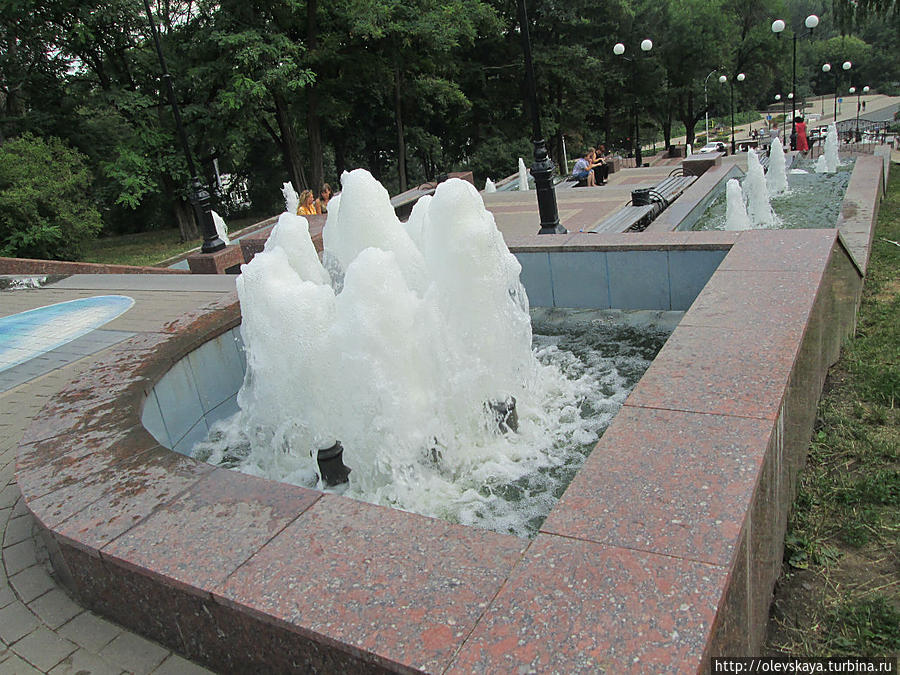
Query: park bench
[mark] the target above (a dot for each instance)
(635, 217)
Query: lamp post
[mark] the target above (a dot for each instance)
(706, 102)
(826, 68)
(619, 50)
(542, 169)
(777, 27)
(858, 92)
(199, 195)
(740, 78)
(783, 118)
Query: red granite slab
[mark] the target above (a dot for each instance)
(72, 413)
(668, 482)
(110, 502)
(579, 607)
(721, 371)
(403, 587)
(779, 250)
(53, 463)
(768, 301)
(212, 529)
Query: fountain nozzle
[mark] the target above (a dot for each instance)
(331, 465)
(505, 414)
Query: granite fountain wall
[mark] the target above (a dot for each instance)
(662, 553)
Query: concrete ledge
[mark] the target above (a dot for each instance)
(226, 261)
(697, 165)
(24, 266)
(661, 554)
(859, 210)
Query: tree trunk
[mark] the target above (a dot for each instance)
(181, 209)
(689, 133)
(313, 127)
(401, 143)
(289, 147)
(184, 216)
(340, 158)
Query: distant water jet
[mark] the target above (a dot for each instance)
(828, 162)
(735, 211)
(523, 175)
(756, 192)
(776, 176)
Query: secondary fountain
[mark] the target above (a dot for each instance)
(221, 228)
(489, 185)
(759, 208)
(523, 175)
(776, 176)
(828, 162)
(735, 211)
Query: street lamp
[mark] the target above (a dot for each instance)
(706, 101)
(740, 78)
(783, 116)
(199, 195)
(542, 169)
(858, 95)
(777, 27)
(619, 50)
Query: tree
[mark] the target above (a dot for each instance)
(45, 206)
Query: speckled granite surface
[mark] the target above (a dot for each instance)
(662, 552)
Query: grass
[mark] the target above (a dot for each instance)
(149, 248)
(144, 248)
(839, 593)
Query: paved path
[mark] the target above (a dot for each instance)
(42, 630)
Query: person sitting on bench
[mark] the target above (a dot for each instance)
(601, 168)
(584, 168)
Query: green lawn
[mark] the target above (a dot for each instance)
(144, 248)
(840, 589)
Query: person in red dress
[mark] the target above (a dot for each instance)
(800, 128)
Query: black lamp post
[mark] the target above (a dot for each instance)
(542, 169)
(858, 92)
(199, 195)
(619, 50)
(740, 78)
(777, 27)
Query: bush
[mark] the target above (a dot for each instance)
(45, 202)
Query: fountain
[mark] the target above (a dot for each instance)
(221, 228)
(735, 211)
(776, 176)
(756, 191)
(523, 175)
(390, 364)
(489, 185)
(828, 162)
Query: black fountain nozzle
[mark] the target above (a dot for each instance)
(331, 465)
(505, 414)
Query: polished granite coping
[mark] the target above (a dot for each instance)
(662, 553)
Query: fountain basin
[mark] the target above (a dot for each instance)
(661, 554)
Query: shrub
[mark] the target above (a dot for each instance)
(45, 200)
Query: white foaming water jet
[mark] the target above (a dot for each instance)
(759, 209)
(291, 198)
(828, 161)
(489, 185)
(430, 324)
(523, 175)
(735, 212)
(221, 228)
(776, 176)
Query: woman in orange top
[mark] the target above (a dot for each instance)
(307, 204)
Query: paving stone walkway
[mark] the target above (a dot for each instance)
(42, 629)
